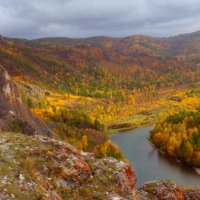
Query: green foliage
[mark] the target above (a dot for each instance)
(29, 102)
(177, 118)
(195, 140)
(77, 119)
(17, 126)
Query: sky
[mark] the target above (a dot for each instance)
(85, 18)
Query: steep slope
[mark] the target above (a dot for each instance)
(14, 114)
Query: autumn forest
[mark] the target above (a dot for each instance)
(84, 88)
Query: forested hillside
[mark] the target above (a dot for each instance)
(179, 136)
(104, 67)
(83, 87)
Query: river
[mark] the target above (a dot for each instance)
(148, 163)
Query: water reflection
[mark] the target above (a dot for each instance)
(149, 164)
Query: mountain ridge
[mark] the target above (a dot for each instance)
(197, 32)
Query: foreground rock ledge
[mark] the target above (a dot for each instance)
(37, 167)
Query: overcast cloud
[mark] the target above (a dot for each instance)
(84, 18)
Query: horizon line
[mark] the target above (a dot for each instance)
(99, 36)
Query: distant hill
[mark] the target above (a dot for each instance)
(99, 66)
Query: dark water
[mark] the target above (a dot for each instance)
(148, 163)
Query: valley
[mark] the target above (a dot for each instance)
(82, 92)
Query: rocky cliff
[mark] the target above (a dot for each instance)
(38, 167)
(14, 114)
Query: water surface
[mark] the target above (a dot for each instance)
(148, 163)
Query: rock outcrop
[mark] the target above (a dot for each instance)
(166, 190)
(38, 167)
(14, 114)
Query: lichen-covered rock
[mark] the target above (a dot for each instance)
(38, 167)
(192, 194)
(122, 176)
(166, 190)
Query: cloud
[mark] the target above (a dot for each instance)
(84, 18)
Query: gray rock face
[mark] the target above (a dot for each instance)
(14, 114)
(123, 178)
(166, 190)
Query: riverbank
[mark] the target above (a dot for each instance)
(149, 163)
(176, 159)
(142, 119)
(122, 130)
(179, 137)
